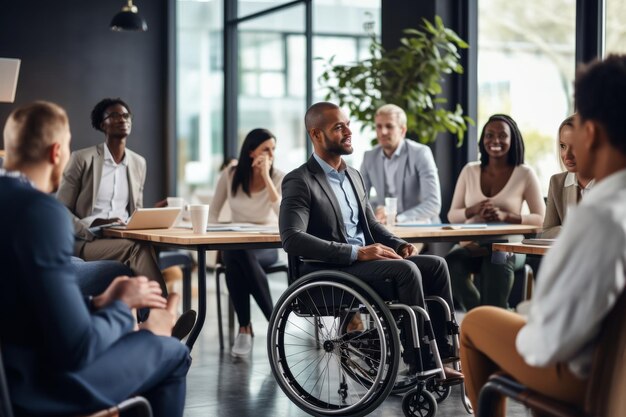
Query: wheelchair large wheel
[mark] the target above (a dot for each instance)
(322, 369)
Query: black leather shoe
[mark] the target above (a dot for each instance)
(184, 324)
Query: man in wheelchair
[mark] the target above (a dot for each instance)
(325, 216)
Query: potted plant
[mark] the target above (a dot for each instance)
(409, 76)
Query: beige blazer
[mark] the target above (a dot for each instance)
(81, 182)
(560, 198)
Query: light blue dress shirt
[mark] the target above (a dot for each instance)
(348, 205)
(390, 167)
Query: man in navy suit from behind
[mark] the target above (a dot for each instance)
(65, 354)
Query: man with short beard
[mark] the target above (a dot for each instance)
(325, 216)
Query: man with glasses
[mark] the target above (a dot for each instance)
(104, 184)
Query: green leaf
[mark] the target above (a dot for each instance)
(410, 76)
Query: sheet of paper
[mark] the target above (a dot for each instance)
(464, 226)
(241, 227)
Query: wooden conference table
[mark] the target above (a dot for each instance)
(186, 239)
(524, 248)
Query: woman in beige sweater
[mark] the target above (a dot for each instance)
(252, 189)
(492, 191)
(566, 188)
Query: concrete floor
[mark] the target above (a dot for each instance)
(219, 385)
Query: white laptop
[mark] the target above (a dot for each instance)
(9, 70)
(151, 218)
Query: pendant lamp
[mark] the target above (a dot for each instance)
(129, 19)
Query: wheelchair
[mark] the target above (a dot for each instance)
(327, 371)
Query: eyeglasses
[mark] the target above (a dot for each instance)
(117, 116)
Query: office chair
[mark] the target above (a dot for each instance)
(605, 389)
(220, 269)
(169, 258)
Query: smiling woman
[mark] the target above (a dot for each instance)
(492, 191)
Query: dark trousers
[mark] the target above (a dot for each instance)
(245, 277)
(95, 276)
(414, 277)
(496, 277)
(138, 363)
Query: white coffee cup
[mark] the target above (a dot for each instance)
(391, 210)
(199, 217)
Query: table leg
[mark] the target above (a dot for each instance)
(187, 290)
(201, 298)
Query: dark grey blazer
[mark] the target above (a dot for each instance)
(310, 218)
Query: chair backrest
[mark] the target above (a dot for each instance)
(607, 384)
(5, 402)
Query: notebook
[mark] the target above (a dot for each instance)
(9, 70)
(538, 241)
(151, 218)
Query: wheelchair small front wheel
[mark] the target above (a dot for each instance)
(440, 392)
(419, 403)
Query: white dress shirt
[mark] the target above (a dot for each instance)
(581, 277)
(571, 181)
(113, 194)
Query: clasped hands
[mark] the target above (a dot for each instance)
(139, 292)
(378, 251)
(487, 211)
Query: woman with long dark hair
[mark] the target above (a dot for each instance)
(252, 189)
(492, 190)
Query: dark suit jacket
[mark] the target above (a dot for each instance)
(46, 330)
(310, 218)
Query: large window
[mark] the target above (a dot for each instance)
(272, 67)
(199, 91)
(526, 66)
(615, 26)
(270, 75)
(272, 80)
(343, 30)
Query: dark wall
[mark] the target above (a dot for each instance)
(69, 56)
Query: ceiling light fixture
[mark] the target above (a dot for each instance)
(128, 19)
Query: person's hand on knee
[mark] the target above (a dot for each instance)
(138, 292)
